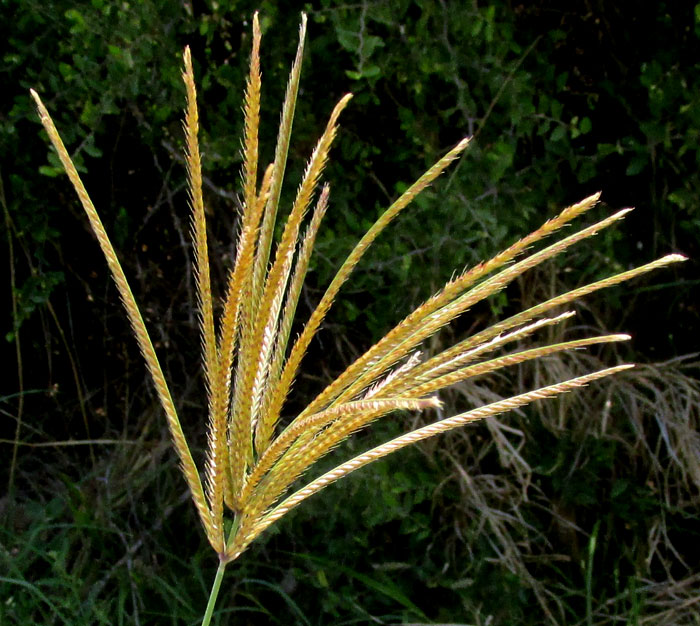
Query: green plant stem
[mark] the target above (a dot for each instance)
(214, 593)
(589, 573)
(15, 337)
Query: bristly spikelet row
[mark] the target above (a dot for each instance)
(249, 367)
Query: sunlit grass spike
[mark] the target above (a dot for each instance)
(255, 457)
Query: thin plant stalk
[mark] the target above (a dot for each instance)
(214, 593)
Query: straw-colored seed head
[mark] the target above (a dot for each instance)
(249, 365)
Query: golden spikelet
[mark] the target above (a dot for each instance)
(136, 321)
(279, 166)
(408, 439)
(462, 353)
(215, 479)
(268, 420)
(277, 279)
(249, 368)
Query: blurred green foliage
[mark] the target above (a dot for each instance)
(561, 101)
(552, 120)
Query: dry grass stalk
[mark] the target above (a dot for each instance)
(250, 464)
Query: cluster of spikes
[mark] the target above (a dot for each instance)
(254, 459)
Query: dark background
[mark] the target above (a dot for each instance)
(583, 510)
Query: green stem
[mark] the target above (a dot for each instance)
(214, 593)
(589, 573)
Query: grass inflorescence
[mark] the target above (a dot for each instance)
(251, 361)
